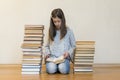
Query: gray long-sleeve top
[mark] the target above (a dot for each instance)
(59, 47)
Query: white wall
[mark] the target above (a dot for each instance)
(11, 31)
(97, 20)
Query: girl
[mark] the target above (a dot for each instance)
(61, 42)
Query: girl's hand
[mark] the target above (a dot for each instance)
(66, 54)
(47, 56)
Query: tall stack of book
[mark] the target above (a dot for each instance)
(32, 49)
(84, 56)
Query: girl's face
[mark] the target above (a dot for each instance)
(57, 22)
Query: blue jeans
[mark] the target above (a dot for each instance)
(63, 68)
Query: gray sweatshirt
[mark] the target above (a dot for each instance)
(58, 47)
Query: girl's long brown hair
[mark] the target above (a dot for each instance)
(52, 30)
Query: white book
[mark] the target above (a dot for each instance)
(84, 70)
(31, 66)
(30, 72)
(33, 59)
(56, 60)
(85, 63)
(84, 54)
(87, 60)
(32, 53)
(30, 69)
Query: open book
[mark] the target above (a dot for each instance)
(56, 60)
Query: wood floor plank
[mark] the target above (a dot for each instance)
(13, 72)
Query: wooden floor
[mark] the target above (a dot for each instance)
(13, 72)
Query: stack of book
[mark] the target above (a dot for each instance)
(84, 56)
(32, 49)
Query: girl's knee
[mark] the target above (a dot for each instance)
(51, 68)
(51, 71)
(64, 69)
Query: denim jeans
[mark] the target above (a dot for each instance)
(63, 68)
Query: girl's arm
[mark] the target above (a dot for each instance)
(47, 50)
(73, 45)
